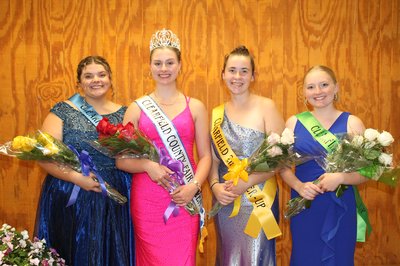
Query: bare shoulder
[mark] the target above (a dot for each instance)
(291, 122)
(355, 125)
(53, 125)
(196, 105)
(132, 114)
(273, 120)
(265, 102)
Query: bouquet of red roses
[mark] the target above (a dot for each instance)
(44, 147)
(118, 141)
(123, 142)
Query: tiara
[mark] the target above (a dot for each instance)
(164, 38)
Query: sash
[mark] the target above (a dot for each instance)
(330, 142)
(173, 143)
(262, 200)
(88, 111)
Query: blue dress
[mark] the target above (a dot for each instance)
(324, 234)
(95, 230)
(234, 247)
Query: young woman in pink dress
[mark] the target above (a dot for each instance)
(174, 241)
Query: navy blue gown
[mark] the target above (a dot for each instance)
(95, 230)
(324, 234)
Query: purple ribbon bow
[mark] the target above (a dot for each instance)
(176, 180)
(87, 165)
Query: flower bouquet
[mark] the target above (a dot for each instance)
(274, 152)
(128, 142)
(44, 147)
(17, 249)
(365, 154)
(118, 141)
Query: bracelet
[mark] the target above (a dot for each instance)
(194, 181)
(214, 183)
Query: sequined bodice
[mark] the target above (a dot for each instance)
(243, 141)
(78, 130)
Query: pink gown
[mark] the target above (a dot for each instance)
(157, 243)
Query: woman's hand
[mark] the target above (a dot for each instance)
(221, 193)
(239, 189)
(309, 190)
(330, 181)
(160, 174)
(184, 194)
(85, 182)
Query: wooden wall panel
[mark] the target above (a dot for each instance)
(41, 43)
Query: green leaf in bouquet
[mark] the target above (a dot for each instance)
(371, 154)
(260, 167)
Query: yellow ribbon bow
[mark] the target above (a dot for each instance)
(237, 170)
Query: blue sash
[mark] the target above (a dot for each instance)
(88, 111)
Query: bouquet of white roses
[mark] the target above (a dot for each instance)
(44, 147)
(275, 151)
(17, 249)
(366, 154)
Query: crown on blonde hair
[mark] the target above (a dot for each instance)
(164, 38)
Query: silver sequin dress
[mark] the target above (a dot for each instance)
(234, 246)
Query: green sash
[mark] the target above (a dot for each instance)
(330, 142)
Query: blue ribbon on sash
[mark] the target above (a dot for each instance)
(86, 166)
(84, 158)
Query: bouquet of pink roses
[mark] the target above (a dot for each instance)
(275, 151)
(366, 154)
(44, 147)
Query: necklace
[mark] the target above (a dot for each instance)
(160, 100)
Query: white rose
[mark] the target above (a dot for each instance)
(287, 137)
(34, 261)
(273, 138)
(25, 234)
(357, 140)
(22, 243)
(371, 134)
(274, 151)
(385, 138)
(369, 144)
(386, 159)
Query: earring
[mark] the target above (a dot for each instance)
(336, 97)
(112, 91)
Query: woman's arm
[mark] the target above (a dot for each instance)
(53, 125)
(219, 190)
(184, 194)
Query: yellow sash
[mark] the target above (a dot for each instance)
(262, 200)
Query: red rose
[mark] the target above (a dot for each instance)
(102, 126)
(128, 132)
